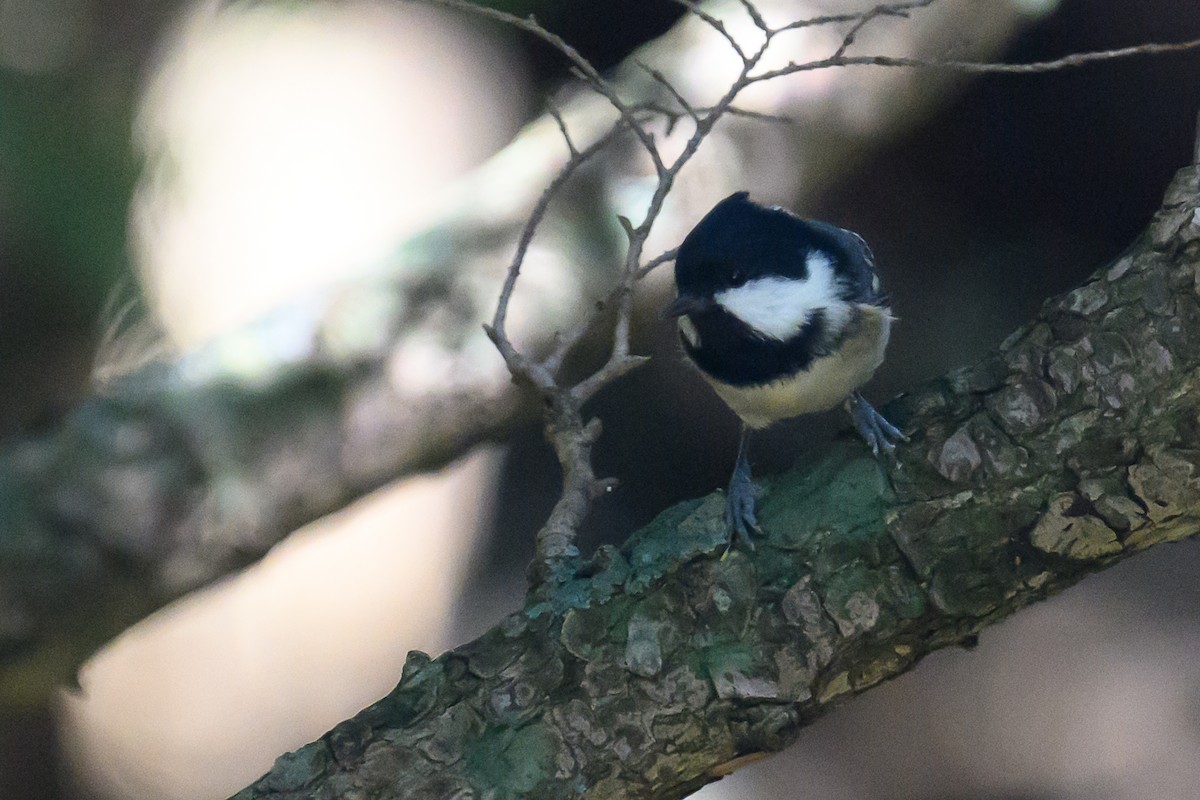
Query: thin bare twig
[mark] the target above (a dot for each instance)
(565, 342)
(661, 80)
(658, 261)
(580, 65)
(865, 20)
(695, 10)
(554, 112)
(535, 217)
(984, 67)
(894, 9)
(755, 16)
(731, 111)
(746, 113)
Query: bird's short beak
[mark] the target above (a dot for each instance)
(687, 304)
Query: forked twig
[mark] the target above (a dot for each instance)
(661, 80)
(577, 160)
(658, 261)
(864, 20)
(755, 16)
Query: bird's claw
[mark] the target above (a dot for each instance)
(872, 426)
(740, 518)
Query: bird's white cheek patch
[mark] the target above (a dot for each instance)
(688, 329)
(778, 307)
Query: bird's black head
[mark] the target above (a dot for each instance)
(739, 241)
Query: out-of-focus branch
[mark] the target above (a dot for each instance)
(141, 496)
(662, 667)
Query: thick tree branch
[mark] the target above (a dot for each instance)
(663, 667)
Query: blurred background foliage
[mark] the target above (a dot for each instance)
(1016, 191)
(70, 73)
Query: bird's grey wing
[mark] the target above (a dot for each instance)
(855, 263)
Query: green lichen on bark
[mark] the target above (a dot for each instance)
(663, 666)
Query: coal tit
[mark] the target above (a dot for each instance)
(782, 316)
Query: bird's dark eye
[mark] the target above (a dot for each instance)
(738, 278)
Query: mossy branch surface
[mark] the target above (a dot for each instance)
(661, 667)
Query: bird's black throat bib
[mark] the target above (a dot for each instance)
(733, 353)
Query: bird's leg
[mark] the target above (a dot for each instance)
(877, 431)
(739, 502)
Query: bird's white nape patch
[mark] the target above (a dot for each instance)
(688, 329)
(778, 307)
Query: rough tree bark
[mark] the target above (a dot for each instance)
(662, 667)
(184, 472)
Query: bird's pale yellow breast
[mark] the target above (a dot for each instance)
(827, 382)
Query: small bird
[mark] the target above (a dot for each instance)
(782, 316)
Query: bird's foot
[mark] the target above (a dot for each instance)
(877, 431)
(740, 502)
